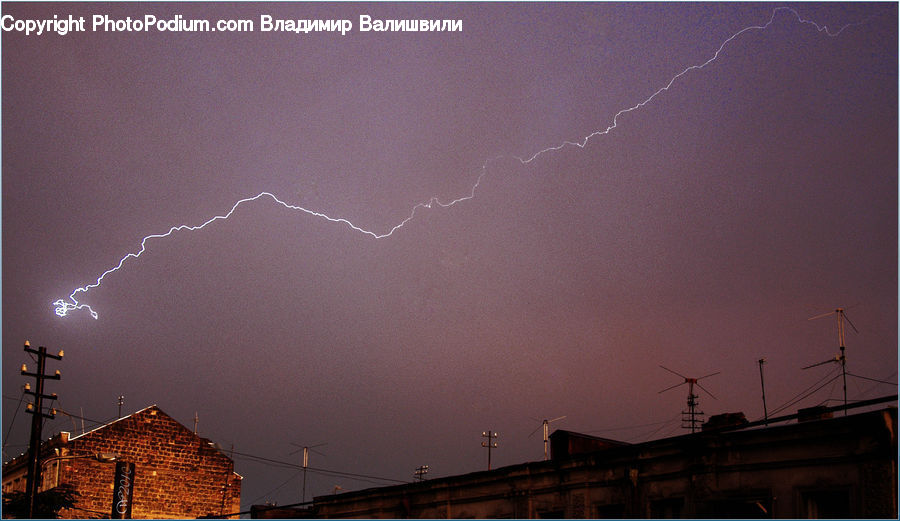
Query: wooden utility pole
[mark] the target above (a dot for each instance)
(33, 479)
(490, 444)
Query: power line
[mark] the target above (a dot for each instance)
(629, 427)
(288, 480)
(872, 379)
(79, 417)
(285, 464)
(807, 395)
(662, 425)
(798, 397)
(13, 421)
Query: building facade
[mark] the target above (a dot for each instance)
(177, 474)
(838, 467)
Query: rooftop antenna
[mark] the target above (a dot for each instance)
(841, 358)
(762, 384)
(546, 426)
(306, 450)
(689, 418)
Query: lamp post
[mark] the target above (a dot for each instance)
(103, 457)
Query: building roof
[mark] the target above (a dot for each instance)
(64, 437)
(105, 425)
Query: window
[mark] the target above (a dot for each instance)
(739, 507)
(666, 508)
(825, 504)
(551, 514)
(616, 511)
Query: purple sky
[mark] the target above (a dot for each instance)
(701, 233)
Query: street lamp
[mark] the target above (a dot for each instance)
(103, 457)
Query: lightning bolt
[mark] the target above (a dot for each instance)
(65, 306)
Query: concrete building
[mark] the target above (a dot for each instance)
(838, 467)
(177, 474)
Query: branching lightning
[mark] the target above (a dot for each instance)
(65, 306)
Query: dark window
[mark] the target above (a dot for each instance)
(609, 511)
(666, 508)
(737, 508)
(825, 504)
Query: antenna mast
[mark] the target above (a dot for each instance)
(689, 418)
(842, 358)
(305, 450)
(762, 383)
(546, 426)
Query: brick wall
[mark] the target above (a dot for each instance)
(177, 474)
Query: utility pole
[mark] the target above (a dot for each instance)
(33, 479)
(762, 383)
(490, 444)
(121, 403)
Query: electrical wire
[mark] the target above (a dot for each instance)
(628, 427)
(867, 391)
(830, 392)
(50, 406)
(872, 379)
(661, 427)
(284, 464)
(13, 421)
(794, 400)
(805, 396)
(288, 480)
(78, 417)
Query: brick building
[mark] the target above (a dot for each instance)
(177, 473)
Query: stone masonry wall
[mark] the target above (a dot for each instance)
(177, 474)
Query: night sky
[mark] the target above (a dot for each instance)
(700, 233)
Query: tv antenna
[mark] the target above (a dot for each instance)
(546, 426)
(762, 384)
(689, 418)
(306, 450)
(841, 358)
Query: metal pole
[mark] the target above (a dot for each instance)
(546, 438)
(692, 402)
(762, 383)
(305, 463)
(840, 314)
(844, 374)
